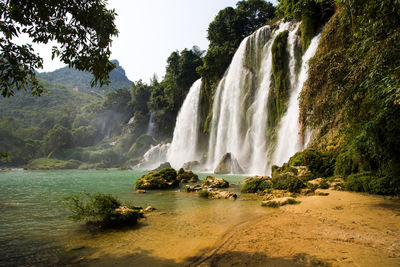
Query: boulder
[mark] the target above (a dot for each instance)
(192, 188)
(216, 194)
(228, 164)
(162, 166)
(187, 177)
(139, 191)
(163, 179)
(149, 209)
(214, 182)
(191, 165)
(277, 202)
(271, 194)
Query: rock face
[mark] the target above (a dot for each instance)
(228, 164)
(214, 182)
(191, 165)
(163, 179)
(162, 166)
(187, 177)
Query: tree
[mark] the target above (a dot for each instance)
(83, 30)
(58, 137)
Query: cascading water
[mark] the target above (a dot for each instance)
(154, 156)
(184, 143)
(289, 139)
(240, 113)
(152, 125)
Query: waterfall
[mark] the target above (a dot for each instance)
(154, 156)
(184, 143)
(237, 126)
(289, 139)
(152, 125)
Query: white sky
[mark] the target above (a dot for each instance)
(149, 30)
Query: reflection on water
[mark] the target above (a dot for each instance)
(33, 229)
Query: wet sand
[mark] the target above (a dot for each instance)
(342, 229)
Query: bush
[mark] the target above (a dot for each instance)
(288, 182)
(324, 184)
(372, 183)
(100, 209)
(255, 184)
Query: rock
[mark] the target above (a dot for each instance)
(191, 165)
(271, 194)
(321, 193)
(216, 194)
(140, 191)
(162, 166)
(214, 182)
(187, 177)
(315, 182)
(228, 164)
(163, 179)
(124, 210)
(307, 191)
(149, 209)
(337, 184)
(192, 188)
(277, 202)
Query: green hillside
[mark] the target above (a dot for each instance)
(81, 80)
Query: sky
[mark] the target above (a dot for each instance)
(150, 30)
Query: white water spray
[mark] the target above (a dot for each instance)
(184, 143)
(289, 139)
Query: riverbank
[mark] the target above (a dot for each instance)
(342, 229)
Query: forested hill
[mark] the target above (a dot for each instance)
(73, 78)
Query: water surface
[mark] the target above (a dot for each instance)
(34, 231)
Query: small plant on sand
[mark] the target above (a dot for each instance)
(103, 210)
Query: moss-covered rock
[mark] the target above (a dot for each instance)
(187, 177)
(216, 194)
(163, 179)
(287, 181)
(278, 202)
(214, 182)
(162, 166)
(256, 184)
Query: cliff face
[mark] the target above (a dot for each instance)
(352, 95)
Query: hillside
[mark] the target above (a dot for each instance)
(81, 80)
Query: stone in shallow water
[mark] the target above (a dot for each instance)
(214, 182)
(228, 164)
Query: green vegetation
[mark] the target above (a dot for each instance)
(279, 95)
(287, 181)
(52, 164)
(256, 184)
(187, 176)
(163, 179)
(103, 210)
(83, 44)
(352, 95)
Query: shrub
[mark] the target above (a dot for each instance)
(288, 182)
(324, 184)
(103, 210)
(372, 183)
(255, 184)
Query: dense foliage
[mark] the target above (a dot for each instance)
(83, 30)
(352, 95)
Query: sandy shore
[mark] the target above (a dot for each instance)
(342, 229)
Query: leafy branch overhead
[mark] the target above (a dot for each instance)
(82, 29)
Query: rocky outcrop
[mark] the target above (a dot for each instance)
(163, 179)
(256, 184)
(228, 164)
(214, 182)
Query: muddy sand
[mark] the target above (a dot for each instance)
(342, 229)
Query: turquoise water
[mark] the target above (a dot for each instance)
(34, 231)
